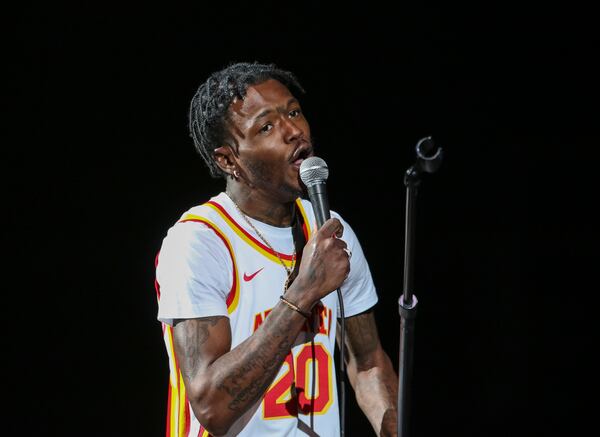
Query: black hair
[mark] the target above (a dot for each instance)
(209, 109)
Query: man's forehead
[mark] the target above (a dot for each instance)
(261, 96)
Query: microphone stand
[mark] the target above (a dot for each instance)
(428, 160)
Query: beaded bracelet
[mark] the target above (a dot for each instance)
(294, 307)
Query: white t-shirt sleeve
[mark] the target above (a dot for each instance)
(194, 273)
(358, 290)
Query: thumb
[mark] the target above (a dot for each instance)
(331, 227)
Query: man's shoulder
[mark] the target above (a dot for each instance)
(203, 210)
(196, 220)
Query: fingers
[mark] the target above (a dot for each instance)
(329, 250)
(332, 227)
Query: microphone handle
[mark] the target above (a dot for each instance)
(318, 198)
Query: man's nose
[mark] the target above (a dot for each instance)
(291, 130)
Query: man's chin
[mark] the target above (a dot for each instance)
(296, 190)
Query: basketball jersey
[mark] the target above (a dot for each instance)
(212, 263)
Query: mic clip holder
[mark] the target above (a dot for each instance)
(429, 159)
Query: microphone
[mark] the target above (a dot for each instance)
(314, 174)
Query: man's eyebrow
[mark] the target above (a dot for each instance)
(261, 115)
(268, 111)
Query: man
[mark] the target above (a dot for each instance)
(246, 282)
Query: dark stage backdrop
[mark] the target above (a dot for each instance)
(101, 166)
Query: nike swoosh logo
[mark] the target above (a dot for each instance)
(248, 277)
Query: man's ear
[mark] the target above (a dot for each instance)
(225, 158)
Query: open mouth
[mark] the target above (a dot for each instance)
(300, 154)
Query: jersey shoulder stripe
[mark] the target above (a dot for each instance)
(213, 209)
(306, 228)
(234, 294)
(266, 251)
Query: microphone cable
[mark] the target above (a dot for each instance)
(342, 365)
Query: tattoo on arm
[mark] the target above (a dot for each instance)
(232, 380)
(194, 336)
(258, 365)
(243, 391)
(361, 336)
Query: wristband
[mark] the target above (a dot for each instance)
(294, 307)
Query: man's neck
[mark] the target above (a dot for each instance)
(261, 207)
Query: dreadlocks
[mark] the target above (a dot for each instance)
(210, 105)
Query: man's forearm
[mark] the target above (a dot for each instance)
(221, 391)
(371, 373)
(376, 391)
(246, 372)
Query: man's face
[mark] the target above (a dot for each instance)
(273, 139)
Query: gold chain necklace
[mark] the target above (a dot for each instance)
(288, 270)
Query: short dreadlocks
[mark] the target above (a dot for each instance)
(209, 109)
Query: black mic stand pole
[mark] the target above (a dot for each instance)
(428, 161)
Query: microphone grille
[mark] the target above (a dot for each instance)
(313, 170)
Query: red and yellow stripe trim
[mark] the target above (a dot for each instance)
(178, 407)
(233, 297)
(288, 260)
(203, 432)
(305, 222)
(264, 250)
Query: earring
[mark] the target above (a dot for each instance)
(235, 174)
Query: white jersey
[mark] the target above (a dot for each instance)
(212, 263)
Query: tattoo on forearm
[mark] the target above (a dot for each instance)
(244, 374)
(246, 385)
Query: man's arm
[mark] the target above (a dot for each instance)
(371, 373)
(223, 383)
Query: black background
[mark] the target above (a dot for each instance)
(99, 165)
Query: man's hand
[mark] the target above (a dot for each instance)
(324, 266)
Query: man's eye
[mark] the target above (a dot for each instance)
(266, 128)
(294, 113)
